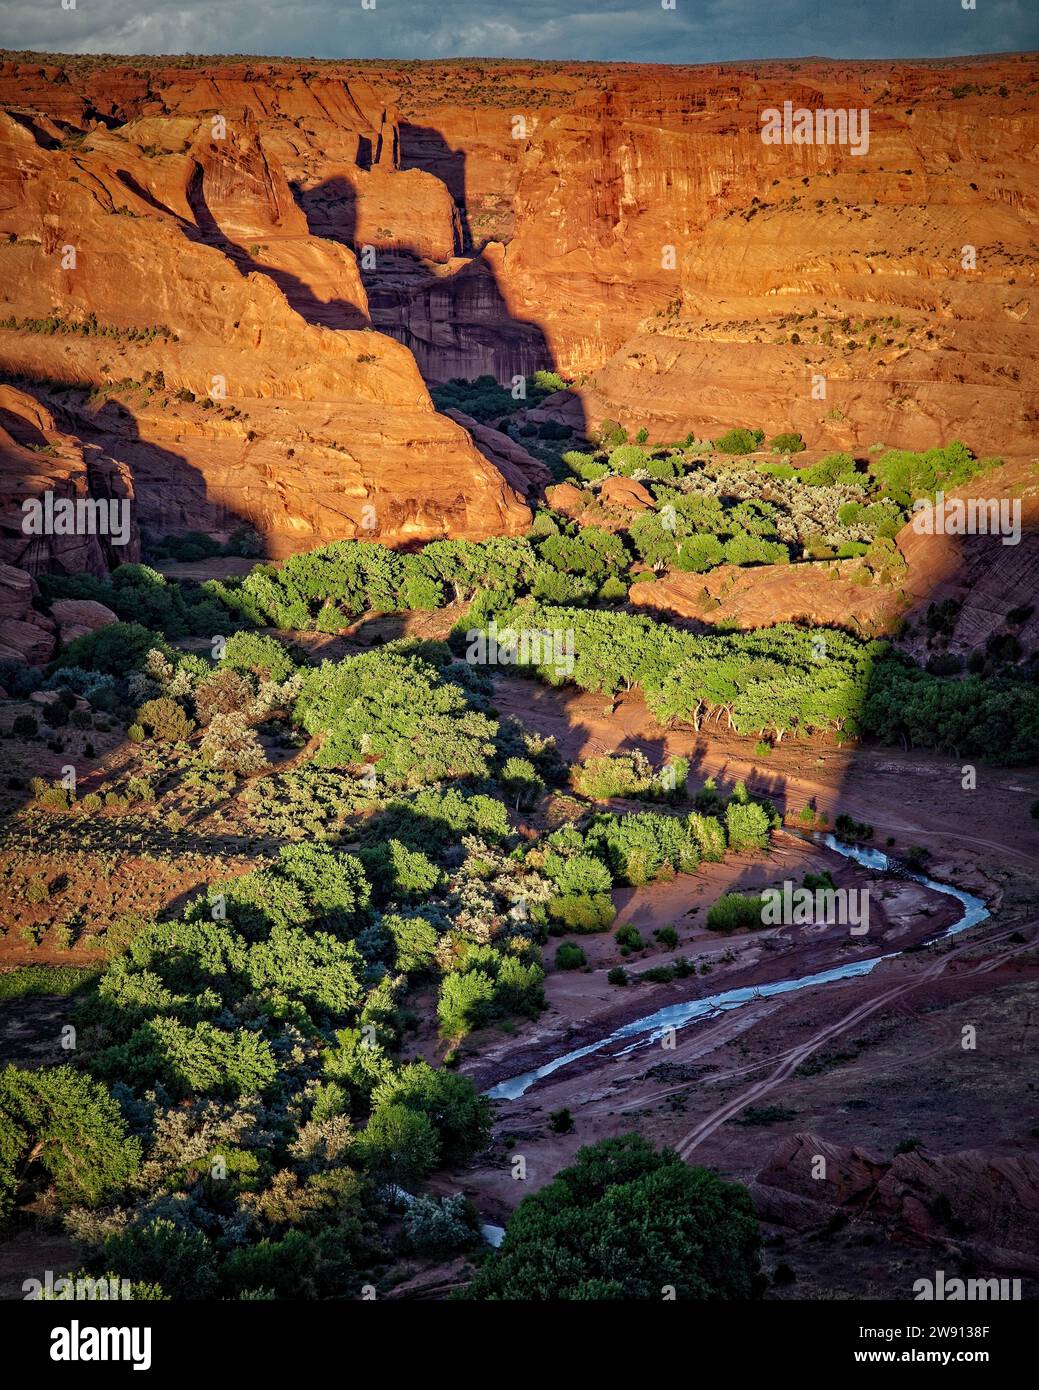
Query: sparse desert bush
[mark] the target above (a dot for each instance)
(164, 720)
(57, 797)
(226, 691)
(789, 443)
(765, 1115)
(399, 872)
(139, 788)
(178, 1260)
(738, 441)
(245, 540)
(521, 783)
(113, 650)
(658, 974)
(698, 554)
(628, 937)
(609, 435)
(628, 459)
(735, 912)
(445, 1223)
(231, 744)
(848, 828)
(37, 891)
(264, 656)
(578, 874)
(583, 912)
(585, 466)
(561, 1121)
(56, 715)
(569, 957)
(630, 775)
(747, 826)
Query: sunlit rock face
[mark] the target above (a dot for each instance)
(219, 353)
(627, 226)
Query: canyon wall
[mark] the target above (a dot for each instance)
(161, 292)
(315, 238)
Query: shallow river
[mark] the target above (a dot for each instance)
(644, 1031)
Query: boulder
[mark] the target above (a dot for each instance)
(981, 1204)
(566, 498)
(627, 493)
(990, 1198)
(25, 635)
(85, 612)
(78, 617)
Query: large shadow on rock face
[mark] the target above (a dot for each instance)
(905, 777)
(172, 495)
(176, 500)
(455, 321)
(335, 313)
(456, 325)
(177, 496)
(22, 479)
(422, 147)
(330, 208)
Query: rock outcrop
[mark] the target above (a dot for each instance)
(39, 457)
(987, 576)
(76, 617)
(25, 635)
(623, 224)
(981, 1205)
(520, 469)
(626, 493)
(565, 498)
(757, 596)
(215, 348)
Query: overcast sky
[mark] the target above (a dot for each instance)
(695, 31)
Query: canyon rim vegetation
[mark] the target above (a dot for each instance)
(476, 534)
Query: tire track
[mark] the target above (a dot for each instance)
(795, 1056)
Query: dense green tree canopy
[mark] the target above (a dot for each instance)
(68, 1125)
(624, 1222)
(397, 712)
(779, 678)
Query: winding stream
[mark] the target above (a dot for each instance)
(648, 1029)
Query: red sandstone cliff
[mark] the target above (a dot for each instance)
(510, 216)
(184, 260)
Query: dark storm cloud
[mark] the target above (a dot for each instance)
(695, 31)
